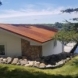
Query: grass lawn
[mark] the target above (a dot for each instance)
(69, 70)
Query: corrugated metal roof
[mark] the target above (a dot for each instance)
(36, 33)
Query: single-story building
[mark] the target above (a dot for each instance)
(30, 41)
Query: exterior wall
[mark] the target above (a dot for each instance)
(31, 51)
(58, 48)
(12, 44)
(16, 47)
(48, 48)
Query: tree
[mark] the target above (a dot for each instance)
(75, 26)
(65, 37)
(70, 34)
(0, 3)
(58, 25)
(70, 10)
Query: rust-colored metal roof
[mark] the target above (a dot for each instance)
(39, 34)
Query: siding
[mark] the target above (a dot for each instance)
(11, 42)
(49, 48)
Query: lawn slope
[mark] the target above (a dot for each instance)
(69, 70)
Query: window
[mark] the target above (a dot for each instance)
(2, 50)
(55, 43)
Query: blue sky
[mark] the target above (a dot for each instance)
(36, 11)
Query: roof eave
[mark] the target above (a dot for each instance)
(26, 36)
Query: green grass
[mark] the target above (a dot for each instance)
(69, 70)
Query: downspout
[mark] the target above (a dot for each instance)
(62, 46)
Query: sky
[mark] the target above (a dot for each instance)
(36, 11)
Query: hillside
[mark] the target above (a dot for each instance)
(69, 70)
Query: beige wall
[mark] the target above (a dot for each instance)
(48, 48)
(12, 43)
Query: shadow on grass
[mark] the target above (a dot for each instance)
(75, 63)
(21, 73)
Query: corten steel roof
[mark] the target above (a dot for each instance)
(37, 33)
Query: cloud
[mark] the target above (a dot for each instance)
(74, 15)
(29, 12)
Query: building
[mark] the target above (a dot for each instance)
(28, 40)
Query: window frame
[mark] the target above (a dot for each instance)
(2, 53)
(4, 48)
